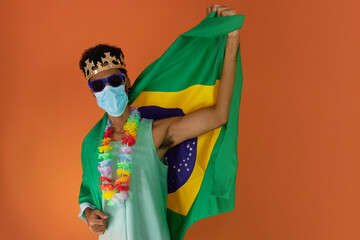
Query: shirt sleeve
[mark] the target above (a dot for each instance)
(85, 198)
(83, 206)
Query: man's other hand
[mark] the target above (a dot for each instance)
(223, 11)
(96, 220)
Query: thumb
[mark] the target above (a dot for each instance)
(100, 213)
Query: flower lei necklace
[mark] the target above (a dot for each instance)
(116, 191)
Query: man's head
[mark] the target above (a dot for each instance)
(105, 70)
(95, 63)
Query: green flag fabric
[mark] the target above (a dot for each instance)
(202, 170)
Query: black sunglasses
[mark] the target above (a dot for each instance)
(114, 80)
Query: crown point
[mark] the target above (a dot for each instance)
(111, 62)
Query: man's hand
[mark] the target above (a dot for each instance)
(96, 220)
(223, 11)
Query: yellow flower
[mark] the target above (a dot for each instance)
(108, 194)
(106, 140)
(130, 126)
(122, 171)
(104, 148)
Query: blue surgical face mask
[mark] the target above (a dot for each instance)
(113, 100)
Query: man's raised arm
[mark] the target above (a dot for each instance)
(200, 121)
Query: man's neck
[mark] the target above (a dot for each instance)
(117, 123)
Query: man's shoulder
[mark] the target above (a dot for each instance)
(94, 132)
(145, 120)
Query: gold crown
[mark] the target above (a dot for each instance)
(88, 69)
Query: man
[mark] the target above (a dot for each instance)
(105, 70)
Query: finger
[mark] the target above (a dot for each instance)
(101, 230)
(228, 12)
(208, 10)
(98, 221)
(215, 6)
(100, 213)
(222, 10)
(98, 229)
(218, 10)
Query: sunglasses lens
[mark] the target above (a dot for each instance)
(97, 86)
(116, 80)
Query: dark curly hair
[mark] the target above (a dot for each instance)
(96, 53)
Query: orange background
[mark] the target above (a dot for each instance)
(298, 173)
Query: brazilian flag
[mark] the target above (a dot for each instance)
(202, 170)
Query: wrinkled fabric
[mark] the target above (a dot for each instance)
(143, 214)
